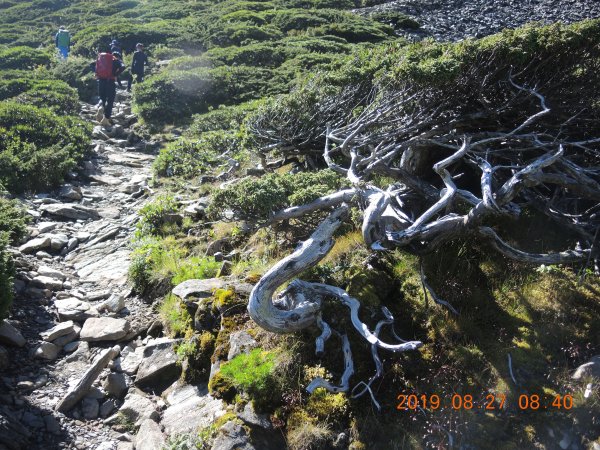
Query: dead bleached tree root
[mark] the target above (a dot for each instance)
(299, 305)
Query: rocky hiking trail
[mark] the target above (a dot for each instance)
(79, 345)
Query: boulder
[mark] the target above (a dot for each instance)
(46, 271)
(45, 227)
(74, 309)
(231, 436)
(57, 331)
(131, 359)
(68, 211)
(159, 366)
(58, 241)
(90, 408)
(47, 283)
(199, 288)
(115, 384)
(70, 192)
(104, 329)
(47, 350)
(149, 436)
(34, 245)
(197, 410)
(240, 342)
(9, 335)
(114, 303)
(137, 407)
(589, 369)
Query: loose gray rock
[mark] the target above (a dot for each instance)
(75, 309)
(131, 359)
(9, 335)
(198, 410)
(75, 212)
(232, 436)
(149, 436)
(240, 342)
(34, 245)
(47, 283)
(589, 369)
(159, 366)
(57, 331)
(47, 350)
(107, 408)
(52, 425)
(115, 384)
(104, 329)
(90, 408)
(68, 338)
(58, 241)
(251, 417)
(137, 407)
(114, 303)
(32, 420)
(199, 288)
(70, 192)
(50, 272)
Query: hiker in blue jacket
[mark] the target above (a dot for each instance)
(140, 60)
(63, 42)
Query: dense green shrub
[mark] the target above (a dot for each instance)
(37, 147)
(188, 158)
(75, 71)
(55, 95)
(258, 198)
(13, 220)
(154, 215)
(172, 95)
(7, 272)
(222, 118)
(23, 58)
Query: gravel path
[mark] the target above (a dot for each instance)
(74, 266)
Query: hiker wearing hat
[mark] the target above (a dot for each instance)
(63, 42)
(115, 47)
(137, 66)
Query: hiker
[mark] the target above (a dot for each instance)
(137, 66)
(115, 47)
(63, 42)
(120, 58)
(107, 68)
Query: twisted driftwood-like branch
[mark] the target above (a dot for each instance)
(428, 146)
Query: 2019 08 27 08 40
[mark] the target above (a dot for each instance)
(489, 402)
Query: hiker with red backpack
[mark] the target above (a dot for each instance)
(107, 68)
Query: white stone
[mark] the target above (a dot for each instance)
(57, 331)
(104, 329)
(47, 350)
(35, 244)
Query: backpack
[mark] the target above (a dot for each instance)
(104, 66)
(63, 39)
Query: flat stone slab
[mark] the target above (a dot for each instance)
(104, 329)
(70, 211)
(107, 271)
(199, 288)
(35, 244)
(197, 411)
(62, 329)
(74, 309)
